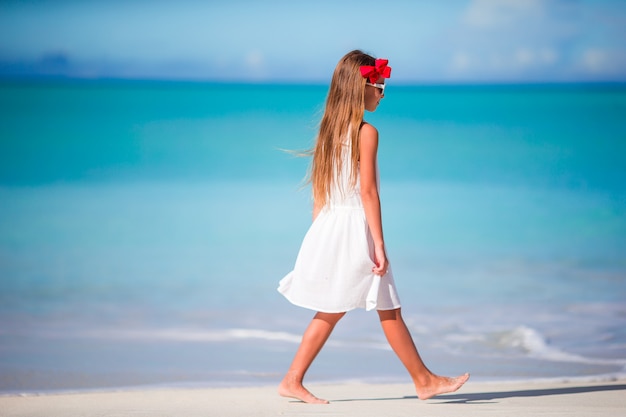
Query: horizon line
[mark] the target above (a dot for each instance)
(6, 78)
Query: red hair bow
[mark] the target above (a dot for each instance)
(373, 73)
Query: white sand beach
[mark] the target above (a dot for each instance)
(588, 399)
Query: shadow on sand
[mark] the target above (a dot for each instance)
(483, 397)
(489, 396)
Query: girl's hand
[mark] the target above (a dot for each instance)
(382, 264)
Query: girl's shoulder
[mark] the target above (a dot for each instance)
(368, 130)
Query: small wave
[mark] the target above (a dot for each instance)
(519, 341)
(193, 335)
(535, 345)
(224, 336)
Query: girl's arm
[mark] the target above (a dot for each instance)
(369, 194)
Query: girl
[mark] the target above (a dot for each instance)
(342, 263)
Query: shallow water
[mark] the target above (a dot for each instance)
(144, 228)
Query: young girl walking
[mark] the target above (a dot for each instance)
(342, 263)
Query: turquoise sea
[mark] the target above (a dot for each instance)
(144, 227)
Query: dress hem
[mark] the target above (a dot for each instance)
(308, 307)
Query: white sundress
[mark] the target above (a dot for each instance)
(333, 270)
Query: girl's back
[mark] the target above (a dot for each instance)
(343, 192)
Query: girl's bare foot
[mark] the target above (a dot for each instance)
(292, 388)
(440, 385)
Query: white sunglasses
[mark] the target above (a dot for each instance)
(380, 86)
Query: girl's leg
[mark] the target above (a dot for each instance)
(426, 383)
(312, 342)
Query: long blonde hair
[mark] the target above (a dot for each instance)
(343, 114)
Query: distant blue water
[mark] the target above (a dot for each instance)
(144, 228)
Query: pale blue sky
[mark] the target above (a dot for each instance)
(274, 40)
